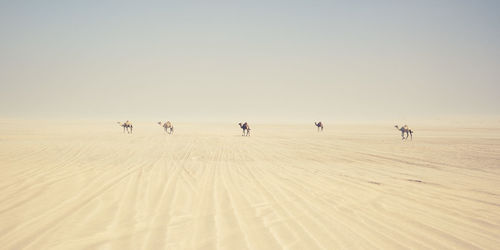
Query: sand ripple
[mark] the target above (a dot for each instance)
(285, 187)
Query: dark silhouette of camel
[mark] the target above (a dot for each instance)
(319, 125)
(126, 126)
(246, 128)
(169, 128)
(405, 129)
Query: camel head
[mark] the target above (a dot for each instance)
(239, 123)
(396, 126)
(159, 123)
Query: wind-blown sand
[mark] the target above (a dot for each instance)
(89, 186)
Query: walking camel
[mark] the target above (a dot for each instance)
(246, 128)
(405, 129)
(319, 125)
(169, 128)
(126, 125)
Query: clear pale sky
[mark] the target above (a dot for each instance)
(252, 60)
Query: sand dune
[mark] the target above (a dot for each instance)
(87, 185)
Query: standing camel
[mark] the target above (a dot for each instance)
(126, 125)
(169, 128)
(246, 128)
(319, 125)
(405, 129)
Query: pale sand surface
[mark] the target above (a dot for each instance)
(67, 185)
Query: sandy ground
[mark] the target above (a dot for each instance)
(87, 185)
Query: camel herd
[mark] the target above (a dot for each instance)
(169, 128)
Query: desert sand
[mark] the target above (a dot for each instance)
(86, 185)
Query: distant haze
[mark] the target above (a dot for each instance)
(252, 60)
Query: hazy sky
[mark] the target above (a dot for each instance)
(251, 60)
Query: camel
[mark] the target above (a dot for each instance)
(405, 129)
(319, 125)
(246, 128)
(169, 128)
(126, 125)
